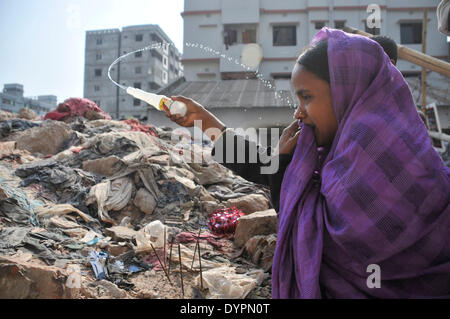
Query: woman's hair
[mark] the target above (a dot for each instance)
(315, 60)
(389, 46)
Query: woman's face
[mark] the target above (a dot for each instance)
(316, 108)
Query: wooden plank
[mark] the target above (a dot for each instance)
(413, 56)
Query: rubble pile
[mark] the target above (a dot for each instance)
(96, 208)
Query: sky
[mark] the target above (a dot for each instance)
(43, 41)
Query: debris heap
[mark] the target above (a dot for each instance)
(96, 208)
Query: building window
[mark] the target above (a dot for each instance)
(229, 37)
(249, 36)
(157, 55)
(138, 54)
(139, 37)
(96, 88)
(156, 39)
(373, 31)
(98, 72)
(6, 101)
(165, 62)
(339, 24)
(137, 85)
(164, 77)
(136, 102)
(98, 56)
(319, 25)
(166, 48)
(99, 41)
(285, 36)
(138, 70)
(411, 33)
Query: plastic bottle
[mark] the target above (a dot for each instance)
(160, 102)
(155, 231)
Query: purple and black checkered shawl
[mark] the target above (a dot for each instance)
(380, 196)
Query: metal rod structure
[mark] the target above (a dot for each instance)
(200, 262)
(164, 256)
(164, 268)
(170, 254)
(195, 249)
(181, 269)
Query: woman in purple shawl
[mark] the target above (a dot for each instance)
(364, 201)
(365, 190)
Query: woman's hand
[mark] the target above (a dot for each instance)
(194, 112)
(288, 139)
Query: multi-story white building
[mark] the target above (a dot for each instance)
(283, 28)
(217, 31)
(148, 70)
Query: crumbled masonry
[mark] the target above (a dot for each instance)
(83, 199)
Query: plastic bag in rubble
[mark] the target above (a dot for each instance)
(98, 262)
(224, 283)
(151, 234)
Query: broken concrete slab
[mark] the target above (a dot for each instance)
(47, 139)
(259, 223)
(261, 249)
(27, 280)
(210, 207)
(120, 233)
(145, 201)
(107, 290)
(117, 249)
(249, 203)
(27, 114)
(211, 174)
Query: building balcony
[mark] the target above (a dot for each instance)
(232, 62)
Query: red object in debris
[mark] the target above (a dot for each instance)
(76, 107)
(187, 237)
(136, 126)
(77, 150)
(224, 221)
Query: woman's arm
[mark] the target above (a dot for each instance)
(245, 158)
(196, 114)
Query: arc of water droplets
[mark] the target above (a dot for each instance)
(158, 45)
(154, 45)
(259, 76)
